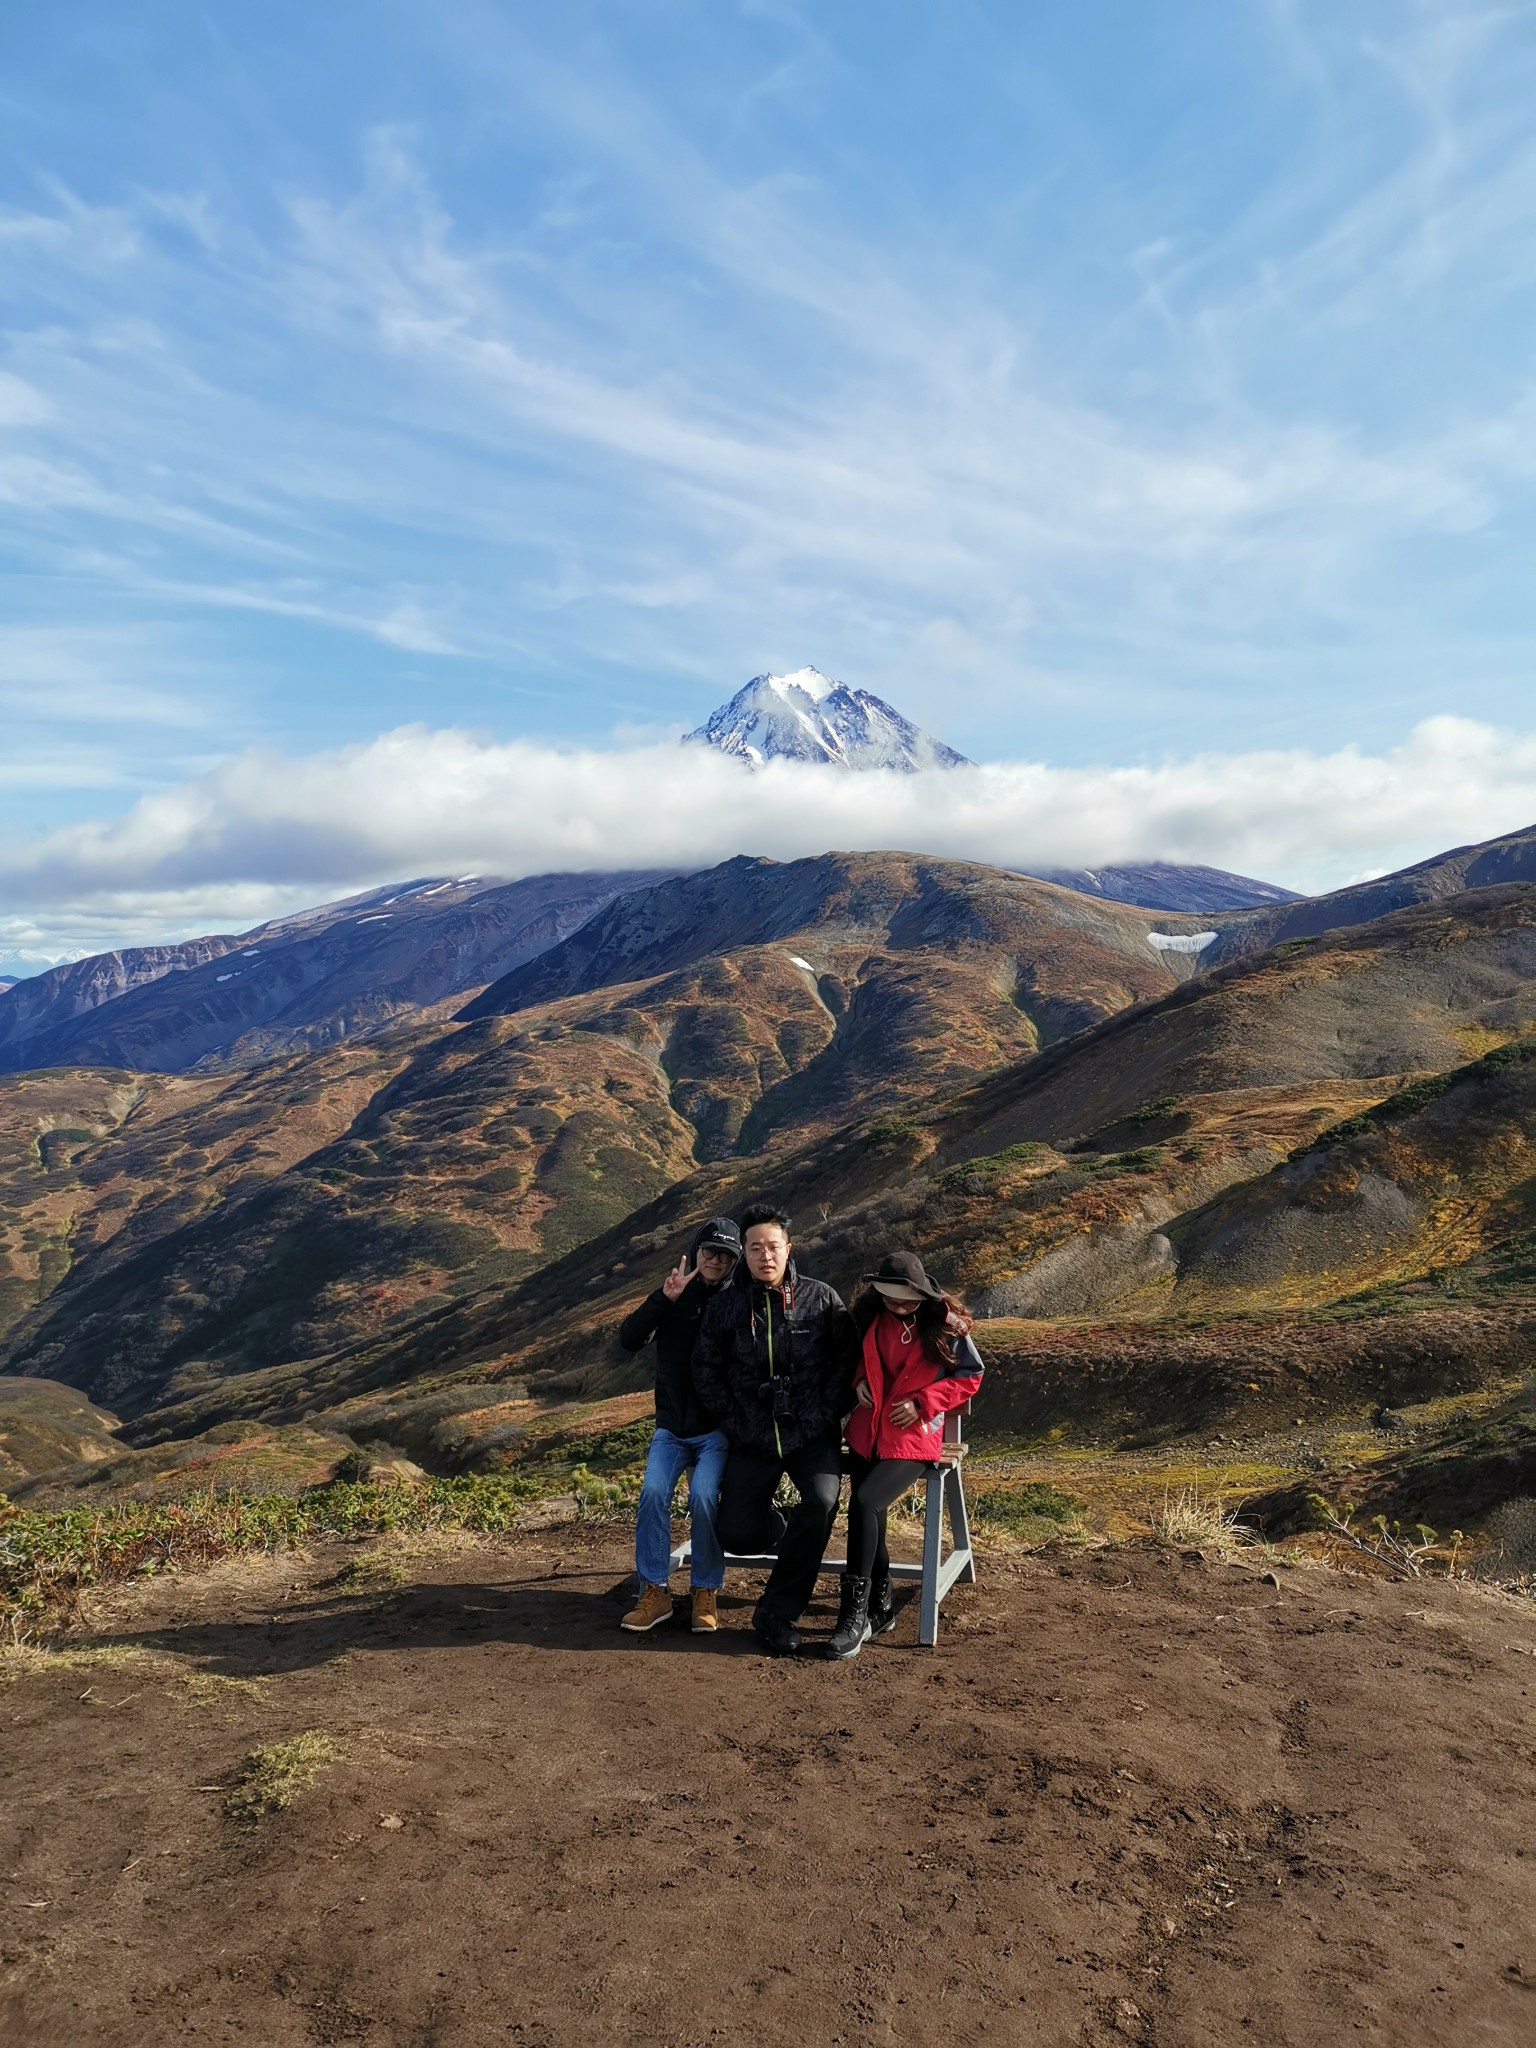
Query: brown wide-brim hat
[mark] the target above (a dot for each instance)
(903, 1269)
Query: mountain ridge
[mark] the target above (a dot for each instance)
(296, 982)
(1170, 885)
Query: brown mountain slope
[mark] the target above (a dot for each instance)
(780, 998)
(95, 1164)
(1065, 959)
(511, 1139)
(492, 1149)
(45, 1427)
(47, 1119)
(1419, 990)
(1052, 1187)
(1439, 1177)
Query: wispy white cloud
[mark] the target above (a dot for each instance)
(21, 403)
(74, 675)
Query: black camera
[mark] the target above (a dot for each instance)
(777, 1390)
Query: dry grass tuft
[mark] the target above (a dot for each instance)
(273, 1776)
(1190, 1516)
(27, 1660)
(375, 1573)
(394, 1560)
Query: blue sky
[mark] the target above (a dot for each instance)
(1106, 384)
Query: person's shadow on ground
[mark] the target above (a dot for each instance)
(565, 1611)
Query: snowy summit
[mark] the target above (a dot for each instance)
(805, 716)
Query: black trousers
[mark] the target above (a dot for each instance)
(746, 1520)
(877, 1483)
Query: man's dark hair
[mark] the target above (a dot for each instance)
(764, 1212)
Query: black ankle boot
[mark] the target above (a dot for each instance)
(775, 1633)
(882, 1606)
(852, 1631)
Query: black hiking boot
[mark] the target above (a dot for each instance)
(853, 1629)
(882, 1606)
(775, 1633)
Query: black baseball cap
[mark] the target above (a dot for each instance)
(718, 1235)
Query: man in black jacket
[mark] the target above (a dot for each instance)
(774, 1367)
(686, 1438)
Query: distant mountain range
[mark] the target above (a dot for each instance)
(361, 965)
(805, 716)
(297, 983)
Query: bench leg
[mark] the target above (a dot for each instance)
(681, 1556)
(960, 1526)
(933, 1544)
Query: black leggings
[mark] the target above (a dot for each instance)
(877, 1482)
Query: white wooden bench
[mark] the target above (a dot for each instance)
(944, 1491)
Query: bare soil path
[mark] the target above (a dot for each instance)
(1134, 1796)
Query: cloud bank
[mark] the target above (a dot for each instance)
(266, 832)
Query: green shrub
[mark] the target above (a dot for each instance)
(887, 1131)
(47, 1558)
(1418, 1094)
(1024, 1154)
(1019, 1509)
(1139, 1160)
(616, 1449)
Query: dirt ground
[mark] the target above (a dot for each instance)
(1133, 1796)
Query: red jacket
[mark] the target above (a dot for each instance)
(934, 1388)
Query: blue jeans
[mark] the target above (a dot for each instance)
(670, 1456)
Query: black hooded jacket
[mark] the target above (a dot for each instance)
(675, 1325)
(815, 1349)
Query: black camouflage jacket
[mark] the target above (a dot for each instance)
(798, 1335)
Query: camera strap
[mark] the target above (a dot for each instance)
(789, 1302)
(778, 1442)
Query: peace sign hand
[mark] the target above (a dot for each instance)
(678, 1279)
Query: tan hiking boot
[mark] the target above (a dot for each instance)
(705, 1619)
(653, 1606)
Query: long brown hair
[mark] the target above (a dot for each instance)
(938, 1322)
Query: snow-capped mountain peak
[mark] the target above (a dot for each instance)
(809, 681)
(806, 716)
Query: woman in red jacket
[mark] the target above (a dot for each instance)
(918, 1364)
